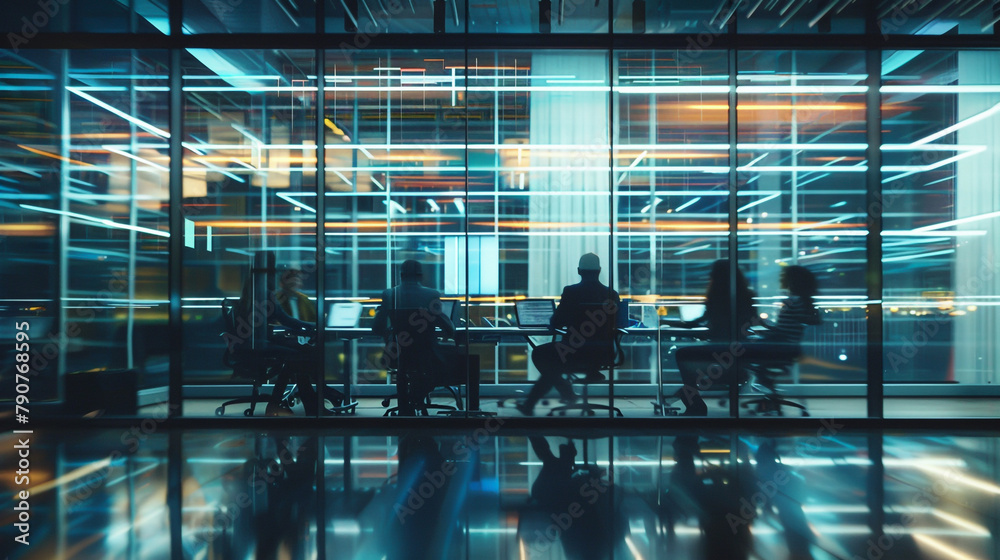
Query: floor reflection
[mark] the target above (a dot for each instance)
(489, 495)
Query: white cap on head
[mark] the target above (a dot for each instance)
(590, 261)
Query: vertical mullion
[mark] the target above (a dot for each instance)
(873, 204)
(175, 219)
(320, 224)
(612, 253)
(733, 248)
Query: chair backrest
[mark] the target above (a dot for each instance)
(412, 337)
(594, 335)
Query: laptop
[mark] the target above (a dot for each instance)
(344, 315)
(691, 312)
(452, 309)
(534, 313)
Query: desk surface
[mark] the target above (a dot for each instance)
(482, 332)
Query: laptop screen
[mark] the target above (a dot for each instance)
(448, 309)
(534, 312)
(344, 315)
(691, 312)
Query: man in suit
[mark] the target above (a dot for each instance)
(445, 363)
(583, 343)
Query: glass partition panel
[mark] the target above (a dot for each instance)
(538, 181)
(940, 110)
(249, 227)
(801, 203)
(32, 173)
(117, 198)
(672, 199)
(395, 191)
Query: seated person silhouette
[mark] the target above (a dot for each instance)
(445, 363)
(576, 503)
(782, 340)
(692, 361)
(298, 357)
(553, 360)
(292, 301)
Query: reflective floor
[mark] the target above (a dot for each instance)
(487, 494)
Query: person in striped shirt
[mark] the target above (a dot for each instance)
(784, 337)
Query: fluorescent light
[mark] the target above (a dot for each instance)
(650, 206)
(688, 203)
(135, 157)
(460, 205)
(96, 221)
(667, 89)
(756, 202)
(288, 197)
(961, 124)
(965, 220)
(394, 206)
(434, 205)
(755, 160)
(138, 122)
(917, 256)
(801, 89)
(940, 89)
(218, 169)
(693, 249)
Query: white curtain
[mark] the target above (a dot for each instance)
(568, 118)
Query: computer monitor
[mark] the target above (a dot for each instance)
(534, 312)
(344, 315)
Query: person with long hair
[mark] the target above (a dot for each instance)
(718, 318)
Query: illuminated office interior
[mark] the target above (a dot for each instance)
(151, 150)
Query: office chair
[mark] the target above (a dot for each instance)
(605, 353)
(768, 373)
(246, 362)
(411, 347)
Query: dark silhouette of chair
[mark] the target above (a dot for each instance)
(768, 374)
(248, 363)
(412, 359)
(600, 351)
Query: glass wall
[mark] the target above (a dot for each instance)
(497, 166)
(249, 157)
(801, 198)
(84, 203)
(940, 110)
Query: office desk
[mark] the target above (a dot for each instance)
(347, 334)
